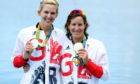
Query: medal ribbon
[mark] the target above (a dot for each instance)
(75, 59)
(84, 41)
(46, 39)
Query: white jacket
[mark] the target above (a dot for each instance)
(98, 55)
(46, 69)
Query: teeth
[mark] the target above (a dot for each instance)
(48, 20)
(76, 32)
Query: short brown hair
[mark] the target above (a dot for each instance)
(71, 16)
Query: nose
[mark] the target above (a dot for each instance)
(49, 15)
(76, 27)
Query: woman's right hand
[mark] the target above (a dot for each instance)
(28, 49)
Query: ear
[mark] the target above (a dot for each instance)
(56, 15)
(68, 27)
(39, 13)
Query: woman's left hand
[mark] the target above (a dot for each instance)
(26, 67)
(82, 53)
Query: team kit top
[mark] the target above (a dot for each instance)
(48, 65)
(97, 67)
(53, 64)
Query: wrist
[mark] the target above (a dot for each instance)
(86, 62)
(26, 56)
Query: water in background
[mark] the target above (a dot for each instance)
(115, 22)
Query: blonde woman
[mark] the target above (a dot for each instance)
(43, 50)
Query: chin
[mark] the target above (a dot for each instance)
(77, 36)
(48, 24)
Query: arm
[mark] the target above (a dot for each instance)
(102, 60)
(18, 60)
(100, 68)
(66, 62)
(20, 55)
(94, 69)
(21, 60)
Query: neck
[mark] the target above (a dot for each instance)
(76, 40)
(45, 28)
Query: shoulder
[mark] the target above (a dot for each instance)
(94, 42)
(60, 36)
(58, 31)
(27, 30)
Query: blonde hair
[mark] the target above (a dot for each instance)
(53, 2)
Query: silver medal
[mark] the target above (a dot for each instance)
(78, 46)
(34, 43)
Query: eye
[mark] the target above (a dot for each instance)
(80, 24)
(46, 12)
(53, 13)
(73, 24)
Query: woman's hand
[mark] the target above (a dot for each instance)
(82, 53)
(28, 49)
(26, 68)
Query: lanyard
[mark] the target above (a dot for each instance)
(75, 59)
(46, 39)
(84, 41)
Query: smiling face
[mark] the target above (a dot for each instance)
(48, 14)
(77, 28)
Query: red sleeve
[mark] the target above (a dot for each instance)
(19, 61)
(94, 69)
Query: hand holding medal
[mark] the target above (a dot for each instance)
(78, 46)
(38, 44)
(76, 59)
(35, 43)
(27, 50)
